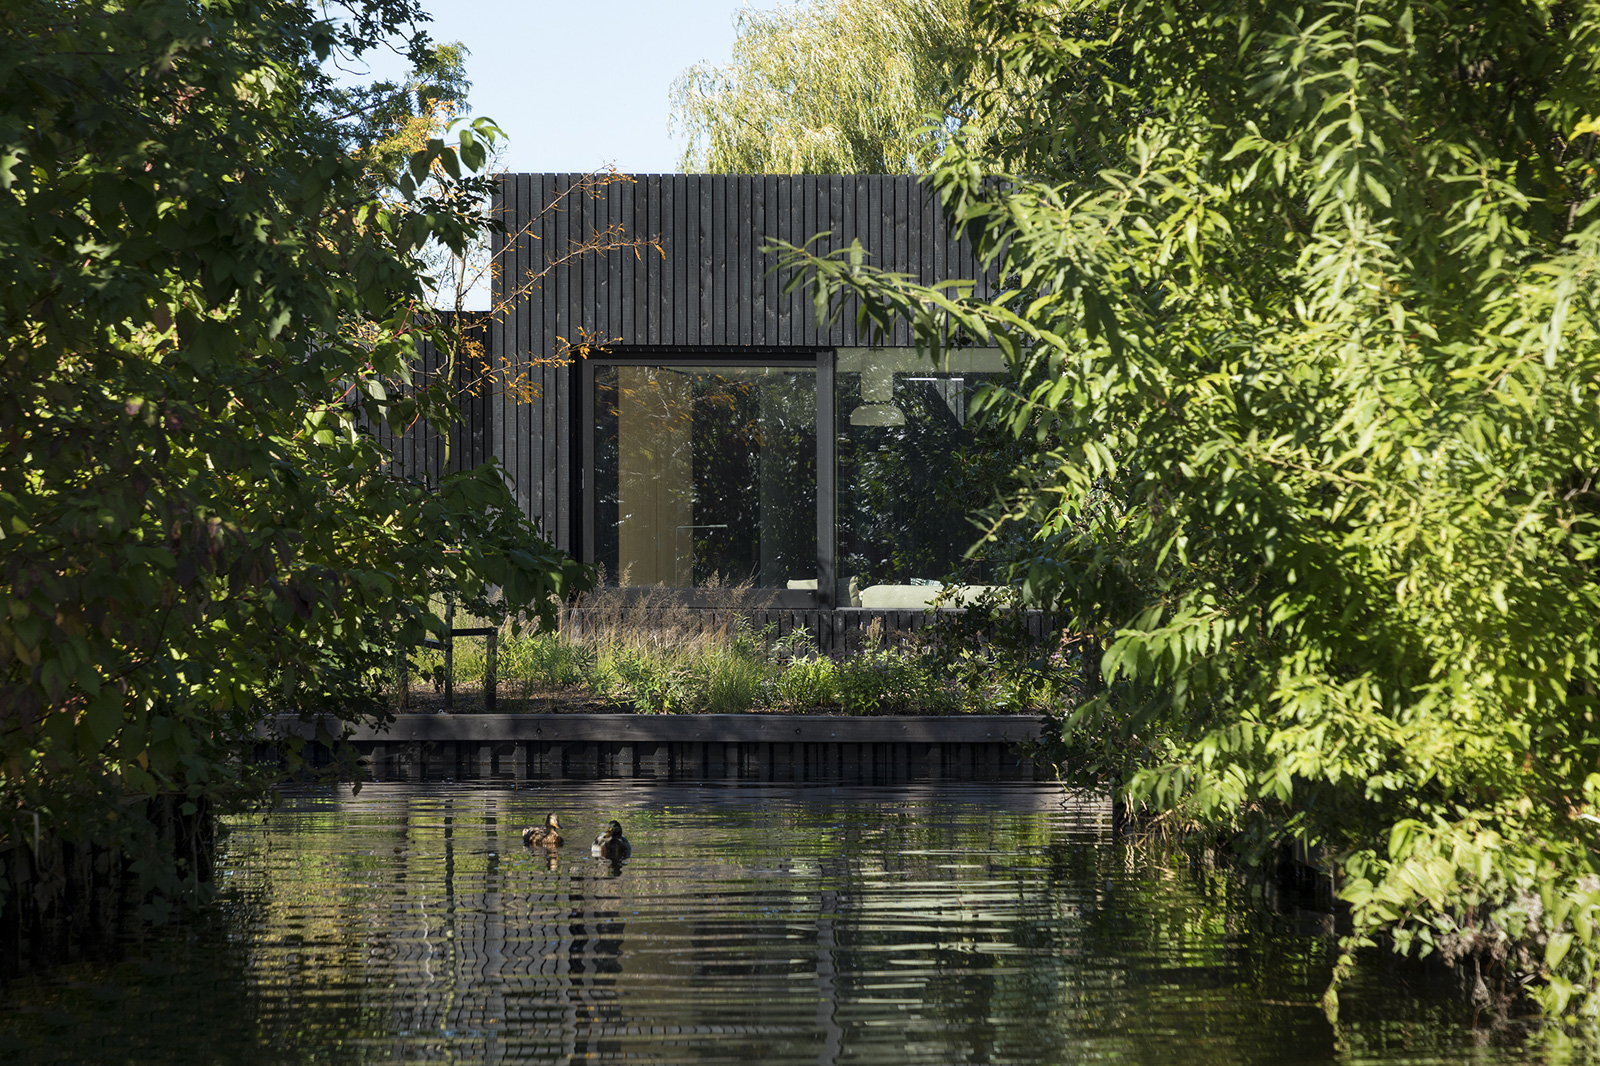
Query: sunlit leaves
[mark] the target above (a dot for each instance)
(1307, 314)
(831, 87)
(200, 299)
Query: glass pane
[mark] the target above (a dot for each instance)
(706, 475)
(911, 471)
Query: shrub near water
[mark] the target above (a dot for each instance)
(207, 308)
(546, 660)
(808, 682)
(885, 680)
(1304, 321)
(648, 681)
(740, 671)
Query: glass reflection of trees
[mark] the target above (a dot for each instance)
(908, 489)
(705, 474)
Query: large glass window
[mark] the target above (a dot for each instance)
(706, 475)
(912, 470)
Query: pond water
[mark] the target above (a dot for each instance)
(755, 924)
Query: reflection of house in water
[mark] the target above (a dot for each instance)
(806, 937)
(520, 962)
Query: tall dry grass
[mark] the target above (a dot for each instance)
(646, 649)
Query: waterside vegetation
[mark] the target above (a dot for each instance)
(206, 298)
(647, 655)
(1302, 312)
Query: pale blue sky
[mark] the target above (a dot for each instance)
(581, 84)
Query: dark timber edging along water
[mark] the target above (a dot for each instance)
(704, 747)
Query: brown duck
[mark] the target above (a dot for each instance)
(544, 836)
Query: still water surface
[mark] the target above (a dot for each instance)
(755, 924)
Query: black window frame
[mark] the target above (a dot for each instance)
(822, 361)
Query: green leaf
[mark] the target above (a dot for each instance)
(1556, 949)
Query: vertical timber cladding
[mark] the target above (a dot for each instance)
(711, 287)
(422, 451)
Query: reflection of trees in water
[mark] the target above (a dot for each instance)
(755, 473)
(833, 928)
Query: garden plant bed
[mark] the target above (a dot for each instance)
(468, 699)
(650, 661)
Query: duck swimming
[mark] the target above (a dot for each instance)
(547, 835)
(611, 844)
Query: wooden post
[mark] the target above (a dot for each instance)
(491, 672)
(449, 652)
(694, 760)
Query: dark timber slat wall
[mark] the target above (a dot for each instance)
(709, 290)
(422, 452)
(747, 747)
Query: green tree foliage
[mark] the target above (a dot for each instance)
(387, 122)
(1303, 316)
(200, 300)
(829, 87)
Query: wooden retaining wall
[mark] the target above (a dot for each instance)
(713, 747)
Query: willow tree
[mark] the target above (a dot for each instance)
(1306, 330)
(830, 87)
(202, 298)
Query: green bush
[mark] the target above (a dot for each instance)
(1307, 335)
(735, 671)
(651, 682)
(890, 681)
(734, 681)
(550, 660)
(810, 682)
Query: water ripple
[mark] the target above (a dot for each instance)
(932, 924)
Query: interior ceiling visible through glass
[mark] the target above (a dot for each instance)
(911, 471)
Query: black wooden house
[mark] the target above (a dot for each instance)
(717, 435)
